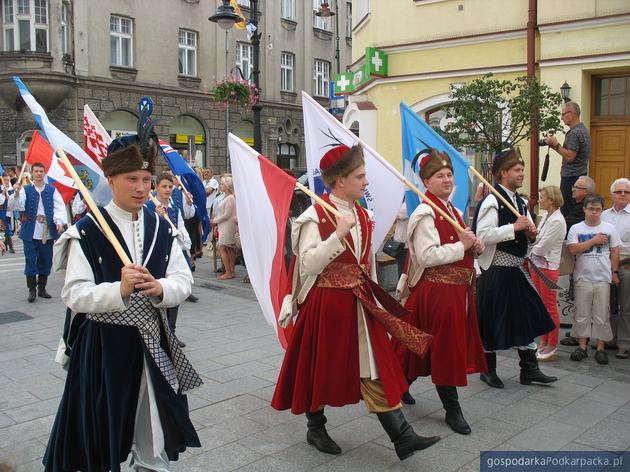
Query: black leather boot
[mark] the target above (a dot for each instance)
(405, 440)
(529, 368)
(171, 316)
(318, 436)
(31, 283)
(454, 416)
(490, 376)
(42, 280)
(407, 399)
(8, 242)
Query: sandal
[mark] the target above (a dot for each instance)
(579, 354)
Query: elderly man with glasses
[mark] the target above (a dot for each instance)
(575, 152)
(619, 217)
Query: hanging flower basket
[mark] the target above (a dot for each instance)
(235, 92)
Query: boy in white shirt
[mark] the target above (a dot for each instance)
(595, 245)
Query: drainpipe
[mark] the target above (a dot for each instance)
(532, 26)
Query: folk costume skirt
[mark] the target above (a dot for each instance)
(94, 427)
(321, 365)
(448, 313)
(509, 309)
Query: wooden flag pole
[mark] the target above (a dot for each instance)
(19, 180)
(95, 210)
(318, 199)
(495, 191)
(157, 203)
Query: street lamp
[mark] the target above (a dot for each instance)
(565, 90)
(324, 12)
(225, 17)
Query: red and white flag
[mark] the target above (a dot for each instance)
(263, 194)
(40, 151)
(95, 136)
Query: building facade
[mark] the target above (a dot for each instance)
(109, 55)
(433, 45)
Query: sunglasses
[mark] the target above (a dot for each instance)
(622, 192)
(579, 188)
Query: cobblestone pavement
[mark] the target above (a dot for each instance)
(238, 356)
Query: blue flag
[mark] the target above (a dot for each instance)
(191, 181)
(1, 170)
(417, 135)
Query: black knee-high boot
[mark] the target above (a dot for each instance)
(407, 399)
(171, 315)
(42, 280)
(405, 440)
(529, 368)
(317, 435)
(490, 376)
(454, 417)
(31, 283)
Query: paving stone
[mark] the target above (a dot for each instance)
(512, 393)
(227, 374)
(583, 379)
(622, 413)
(560, 393)
(225, 458)
(22, 452)
(226, 432)
(546, 436)
(228, 409)
(24, 431)
(608, 434)
(34, 410)
(5, 420)
(583, 412)
(270, 440)
(526, 412)
(368, 456)
(486, 434)
(9, 399)
(436, 458)
(611, 392)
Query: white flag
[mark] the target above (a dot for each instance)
(385, 191)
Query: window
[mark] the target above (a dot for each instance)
(287, 62)
(318, 21)
(64, 29)
(286, 158)
(612, 96)
(348, 20)
(188, 53)
(287, 9)
(245, 59)
(244, 3)
(321, 78)
(25, 25)
(363, 9)
(121, 40)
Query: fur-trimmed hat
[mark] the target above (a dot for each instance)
(133, 152)
(505, 160)
(432, 161)
(340, 161)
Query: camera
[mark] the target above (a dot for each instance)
(542, 142)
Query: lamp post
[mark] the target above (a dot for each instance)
(226, 17)
(324, 12)
(565, 90)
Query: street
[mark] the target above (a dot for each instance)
(238, 356)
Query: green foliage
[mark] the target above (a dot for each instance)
(486, 112)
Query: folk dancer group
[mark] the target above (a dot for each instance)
(351, 341)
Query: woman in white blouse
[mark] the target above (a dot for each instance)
(545, 253)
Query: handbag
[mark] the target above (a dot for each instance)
(393, 248)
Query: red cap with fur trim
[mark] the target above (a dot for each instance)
(333, 156)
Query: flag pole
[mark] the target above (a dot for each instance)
(157, 203)
(318, 199)
(495, 191)
(95, 210)
(19, 180)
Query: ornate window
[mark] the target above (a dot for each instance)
(287, 63)
(245, 59)
(187, 53)
(287, 9)
(25, 25)
(121, 40)
(321, 78)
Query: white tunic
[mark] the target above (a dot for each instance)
(59, 209)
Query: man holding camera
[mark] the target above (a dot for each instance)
(575, 153)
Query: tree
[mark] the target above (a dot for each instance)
(488, 113)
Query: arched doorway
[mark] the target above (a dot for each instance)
(188, 136)
(120, 123)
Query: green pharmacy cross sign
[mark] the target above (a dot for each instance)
(344, 84)
(375, 66)
(376, 62)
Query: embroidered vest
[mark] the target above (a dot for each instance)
(29, 215)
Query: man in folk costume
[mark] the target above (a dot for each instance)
(340, 352)
(441, 277)
(43, 215)
(168, 208)
(509, 309)
(127, 376)
(6, 189)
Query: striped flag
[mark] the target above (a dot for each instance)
(385, 191)
(263, 194)
(90, 172)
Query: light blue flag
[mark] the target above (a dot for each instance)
(1, 170)
(417, 135)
